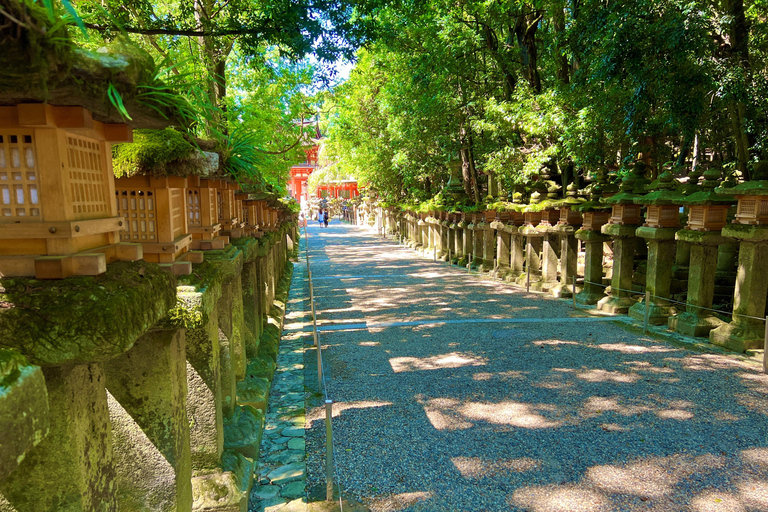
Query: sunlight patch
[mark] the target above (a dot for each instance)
(403, 500)
(633, 349)
(451, 360)
(476, 468)
(714, 501)
(510, 413)
(596, 375)
(558, 499)
(645, 479)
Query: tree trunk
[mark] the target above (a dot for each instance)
(739, 39)
(525, 30)
(558, 21)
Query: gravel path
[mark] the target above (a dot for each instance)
(515, 414)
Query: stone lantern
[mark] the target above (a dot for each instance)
(750, 228)
(566, 227)
(621, 227)
(707, 212)
(534, 240)
(57, 211)
(595, 214)
(662, 221)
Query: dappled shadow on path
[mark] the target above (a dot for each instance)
(540, 417)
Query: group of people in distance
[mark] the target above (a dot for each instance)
(322, 217)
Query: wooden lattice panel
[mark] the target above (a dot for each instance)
(752, 210)
(662, 216)
(193, 208)
(87, 180)
(625, 214)
(178, 212)
(707, 217)
(138, 209)
(19, 198)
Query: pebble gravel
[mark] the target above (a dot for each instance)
(550, 416)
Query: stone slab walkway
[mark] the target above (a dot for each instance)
(442, 404)
(280, 480)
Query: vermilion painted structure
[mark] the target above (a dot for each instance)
(346, 189)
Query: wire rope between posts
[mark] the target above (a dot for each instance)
(323, 387)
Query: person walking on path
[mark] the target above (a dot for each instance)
(321, 218)
(325, 217)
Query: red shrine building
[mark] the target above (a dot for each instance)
(345, 189)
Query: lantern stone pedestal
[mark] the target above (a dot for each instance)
(661, 251)
(445, 238)
(749, 299)
(534, 242)
(592, 291)
(466, 241)
(695, 321)
(619, 301)
(488, 247)
(569, 247)
(503, 242)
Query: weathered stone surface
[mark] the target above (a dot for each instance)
(73, 467)
(293, 432)
(297, 443)
(240, 466)
(218, 492)
(288, 473)
(149, 422)
(24, 415)
(86, 318)
(293, 489)
(266, 492)
(243, 431)
(253, 391)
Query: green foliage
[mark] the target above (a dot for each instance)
(156, 153)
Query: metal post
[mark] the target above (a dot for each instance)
(328, 450)
(647, 310)
(573, 291)
(765, 345)
(319, 362)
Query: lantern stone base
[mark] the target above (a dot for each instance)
(691, 324)
(739, 336)
(657, 314)
(615, 305)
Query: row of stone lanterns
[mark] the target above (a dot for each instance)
(543, 238)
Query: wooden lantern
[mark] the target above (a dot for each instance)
(708, 217)
(227, 209)
(202, 214)
(593, 221)
(489, 216)
(549, 218)
(251, 217)
(57, 215)
(752, 210)
(155, 215)
(662, 216)
(625, 214)
(569, 217)
(518, 218)
(532, 218)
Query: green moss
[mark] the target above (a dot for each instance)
(198, 292)
(11, 363)
(83, 319)
(157, 153)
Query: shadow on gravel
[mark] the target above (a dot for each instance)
(527, 417)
